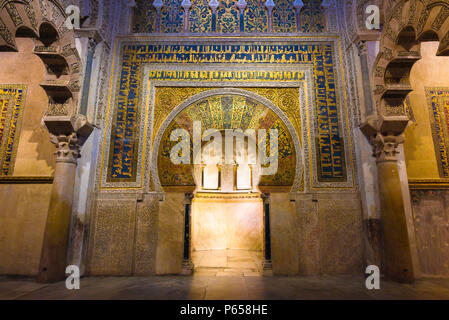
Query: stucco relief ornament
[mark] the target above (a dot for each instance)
(386, 147)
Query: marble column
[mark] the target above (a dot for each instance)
(363, 54)
(68, 134)
(270, 5)
(298, 5)
(397, 248)
(158, 4)
(398, 259)
(92, 44)
(267, 266)
(186, 5)
(187, 264)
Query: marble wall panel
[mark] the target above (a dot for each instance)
(317, 234)
(431, 217)
(112, 238)
(308, 235)
(341, 234)
(170, 245)
(23, 215)
(147, 219)
(227, 222)
(284, 238)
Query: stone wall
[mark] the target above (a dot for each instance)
(25, 206)
(431, 216)
(135, 234)
(123, 234)
(430, 72)
(23, 215)
(316, 234)
(425, 163)
(313, 235)
(170, 234)
(223, 221)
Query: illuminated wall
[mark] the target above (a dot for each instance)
(426, 146)
(26, 159)
(426, 153)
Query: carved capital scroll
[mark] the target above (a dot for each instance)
(68, 134)
(67, 147)
(385, 135)
(386, 146)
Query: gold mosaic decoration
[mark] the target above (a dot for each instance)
(225, 112)
(12, 104)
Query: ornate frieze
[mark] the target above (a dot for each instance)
(227, 16)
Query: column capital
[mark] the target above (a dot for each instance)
(385, 135)
(361, 47)
(188, 197)
(68, 134)
(67, 147)
(266, 198)
(386, 146)
(92, 45)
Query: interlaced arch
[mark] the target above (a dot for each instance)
(44, 21)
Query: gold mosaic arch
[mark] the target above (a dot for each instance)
(44, 20)
(227, 109)
(410, 22)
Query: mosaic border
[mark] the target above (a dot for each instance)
(440, 130)
(16, 95)
(341, 94)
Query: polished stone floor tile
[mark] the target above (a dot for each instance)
(224, 284)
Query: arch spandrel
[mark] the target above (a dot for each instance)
(264, 116)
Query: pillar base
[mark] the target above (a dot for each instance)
(187, 268)
(267, 268)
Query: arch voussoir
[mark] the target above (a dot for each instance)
(54, 44)
(401, 49)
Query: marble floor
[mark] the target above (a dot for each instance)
(227, 263)
(199, 287)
